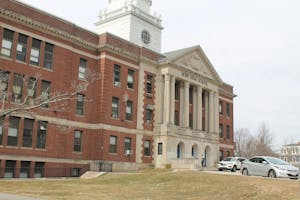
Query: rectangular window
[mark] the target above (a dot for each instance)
(75, 172)
(39, 169)
(177, 90)
(130, 78)
(149, 84)
(149, 116)
(45, 94)
(77, 141)
(22, 47)
(227, 110)
(221, 155)
(25, 169)
(160, 148)
(82, 69)
(147, 149)
(227, 132)
(115, 108)
(27, 133)
(4, 80)
(13, 130)
(190, 120)
(48, 56)
(117, 75)
(35, 52)
(1, 129)
(221, 130)
(127, 145)
(10, 169)
(129, 110)
(221, 107)
(17, 88)
(31, 90)
(176, 118)
(113, 144)
(7, 42)
(228, 153)
(191, 95)
(41, 135)
(80, 104)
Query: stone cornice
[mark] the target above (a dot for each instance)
(15, 17)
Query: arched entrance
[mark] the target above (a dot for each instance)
(206, 160)
(195, 151)
(180, 150)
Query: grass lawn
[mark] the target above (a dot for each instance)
(157, 185)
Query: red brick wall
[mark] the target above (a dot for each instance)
(148, 159)
(149, 99)
(120, 155)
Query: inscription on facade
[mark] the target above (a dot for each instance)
(193, 76)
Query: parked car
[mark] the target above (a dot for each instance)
(230, 163)
(270, 167)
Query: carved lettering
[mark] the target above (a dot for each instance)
(193, 76)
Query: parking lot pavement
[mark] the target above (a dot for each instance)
(4, 196)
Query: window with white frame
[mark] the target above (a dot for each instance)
(113, 144)
(35, 52)
(129, 107)
(82, 68)
(115, 108)
(77, 141)
(117, 75)
(130, 79)
(22, 47)
(80, 104)
(7, 42)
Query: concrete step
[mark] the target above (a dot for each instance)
(90, 175)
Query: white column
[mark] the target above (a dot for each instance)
(216, 112)
(181, 114)
(172, 108)
(195, 108)
(211, 111)
(206, 111)
(159, 98)
(186, 103)
(167, 100)
(199, 108)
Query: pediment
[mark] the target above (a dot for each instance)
(195, 60)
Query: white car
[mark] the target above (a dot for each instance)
(270, 167)
(230, 163)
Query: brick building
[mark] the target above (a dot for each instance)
(146, 108)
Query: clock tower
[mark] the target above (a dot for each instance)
(132, 21)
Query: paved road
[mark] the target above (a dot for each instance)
(4, 196)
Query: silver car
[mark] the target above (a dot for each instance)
(230, 163)
(270, 167)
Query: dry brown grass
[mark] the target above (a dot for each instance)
(157, 185)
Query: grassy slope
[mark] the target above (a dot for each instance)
(158, 185)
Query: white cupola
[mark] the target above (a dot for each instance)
(132, 21)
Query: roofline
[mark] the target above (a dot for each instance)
(52, 15)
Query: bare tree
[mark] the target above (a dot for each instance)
(264, 141)
(245, 143)
(248, 145)
(56, 100)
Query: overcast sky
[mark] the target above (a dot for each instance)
(253, 44)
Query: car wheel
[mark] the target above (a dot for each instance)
(233, 169)
(272, 174)
(245, 172)
(220, 169)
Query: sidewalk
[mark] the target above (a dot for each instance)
(4, 196)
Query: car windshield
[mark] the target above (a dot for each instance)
(277, 161)
(230, 159)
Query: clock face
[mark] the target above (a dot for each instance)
(146, 38)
